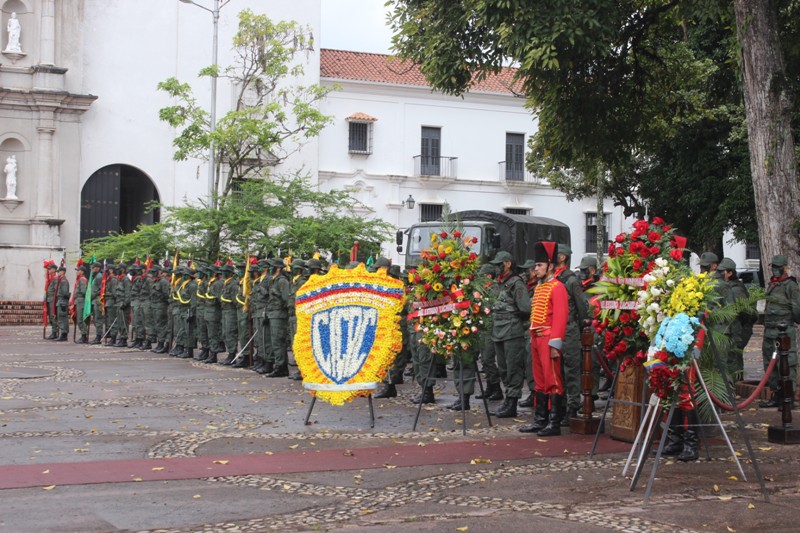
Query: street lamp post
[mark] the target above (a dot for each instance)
(212, 163)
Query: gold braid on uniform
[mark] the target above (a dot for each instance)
(541, 297)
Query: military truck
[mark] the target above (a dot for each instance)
(495, 231)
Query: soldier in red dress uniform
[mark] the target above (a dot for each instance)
(549, 315)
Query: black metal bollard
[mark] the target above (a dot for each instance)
(785, 433)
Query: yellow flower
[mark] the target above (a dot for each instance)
(437, 286)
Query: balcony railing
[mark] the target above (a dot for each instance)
(445, 167)
(516, 172)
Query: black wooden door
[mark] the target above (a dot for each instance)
(100, 199)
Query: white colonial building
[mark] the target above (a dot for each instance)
(79, 114)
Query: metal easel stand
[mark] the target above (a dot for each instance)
(654, 413)
(461, 381)
(602, 425)
(361, 386)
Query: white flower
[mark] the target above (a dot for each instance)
(670, 283)
(654, 307)
(465, 281)
(655, 291)
(649, 278)
(650, 321)
(661, 262)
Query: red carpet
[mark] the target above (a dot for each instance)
(122, 471)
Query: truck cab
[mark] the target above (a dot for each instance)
(495, 231)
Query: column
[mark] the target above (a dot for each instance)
(47, 41)
(45, 183)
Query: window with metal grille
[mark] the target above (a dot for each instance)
(591, 232)
(515, 156)
(517, 211)
(430, 212)
(360, 138)
(752, 250)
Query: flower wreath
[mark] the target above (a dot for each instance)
(634, 259)
(348, 332)
(448, 307)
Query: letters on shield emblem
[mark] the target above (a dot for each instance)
(347, 331)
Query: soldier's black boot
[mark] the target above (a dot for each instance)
(82, 340)
(568, 413)
(111, 341)
(296, 376)
(493, 392)
(211, 359)
(135, 344)
(456, 405)
(161, 348)
(674, 445)
(201, 355)
(241, 363)
(96, 340)
(509, 410)
(553, 426)
(387, 391)
(52, 336)
(541, 415)
(145, 345)
(426, 396)
(62, 338)
(173, 352)
(269, 366)
(527, 402)
(690, 450)
(121, 343)
(279, 372)
(228, 359)
(187, 354)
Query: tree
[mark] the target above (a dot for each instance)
(768, 98)
(272, 118)
(610, 82)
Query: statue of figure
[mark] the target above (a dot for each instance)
(14, 29)
(11, 178)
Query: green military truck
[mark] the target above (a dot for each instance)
(494, 231)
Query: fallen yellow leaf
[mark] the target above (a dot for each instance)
(765, 448)
(8, 398)
(725, 498)
(541, 440)
(221, 462)
(137, 479)
(476, 425)
(421, 444)
(465, 528)
(733, 478)
(46, 471)
(716, 488)
(389, 466)
(293, 446)
(398, 441)
(731, 529)
(244, 383)
(348, 453)
(480, 460)
(196, 496)
(267, 453)
(49, 487)
(157, 468)
(751, 506)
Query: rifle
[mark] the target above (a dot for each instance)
(238, 355)
(108, 329)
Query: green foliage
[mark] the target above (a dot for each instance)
(644, 97)
(285, 214)
(272, 118)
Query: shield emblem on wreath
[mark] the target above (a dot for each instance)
(347, 331)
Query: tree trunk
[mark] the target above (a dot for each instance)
(768, 107)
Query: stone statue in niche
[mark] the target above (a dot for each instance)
(14, 29)
(11, 178)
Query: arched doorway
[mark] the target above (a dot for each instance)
(115, 198)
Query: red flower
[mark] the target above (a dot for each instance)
(637, 265)
(620, 251)
(627, 331)
(436, 267)
(655, 250)
(625, 318)
(473, 256)
(443, 235)
(676, 254)
(641, 225)
(666, 228)
(659, 221)
(621, 346)
(645, 252)
(417, 279)
(620, 237)
(611, 250)
(653, 236)
(456, 234)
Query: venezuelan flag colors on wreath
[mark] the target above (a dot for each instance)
(348, 332)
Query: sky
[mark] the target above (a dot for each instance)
(357, 25)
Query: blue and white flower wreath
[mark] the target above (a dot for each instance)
(677, 334)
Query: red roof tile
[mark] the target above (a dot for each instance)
(393, 70)
(360, 117)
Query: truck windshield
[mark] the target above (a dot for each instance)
(420, 237)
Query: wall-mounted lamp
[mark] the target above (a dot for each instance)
(410, 202)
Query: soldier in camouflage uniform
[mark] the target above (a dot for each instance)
(394, 376)
(110, 306)
(494, 391)
(280, 294)
(187, 304)
(200, 327)
(138, 330)
(62, 303)
(122, 296)
(731, 288)
(571, 353)
(97, 305)
(50, 299)
(783, 306)
(81, 288)
(244, 326)
(214, 314)
(159, 303)
(149, 279)
(511, 316)
(264, 363)
(230, 327)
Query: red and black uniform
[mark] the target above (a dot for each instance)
(549, 314)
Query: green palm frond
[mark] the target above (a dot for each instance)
(715, 384)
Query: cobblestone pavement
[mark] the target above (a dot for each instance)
(65, 403)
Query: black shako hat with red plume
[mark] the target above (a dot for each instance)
(545, 252)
